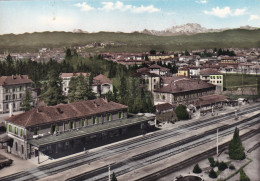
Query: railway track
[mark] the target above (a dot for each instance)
(161, 153)
(62, 165)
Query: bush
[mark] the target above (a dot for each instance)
(181, 112)
(213, 174)
(216, 164)
(222, 166)
(211, 161)
(243, 176)
(197, 169)
(232, 167)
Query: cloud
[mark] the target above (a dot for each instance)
(110, 6)
(254, 17)
(201, 2)
(225, 12)
(84, 6)
(239, 12)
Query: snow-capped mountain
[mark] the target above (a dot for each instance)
(187, 29)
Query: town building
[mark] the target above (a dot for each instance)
(228, 59)
(51, 130)
(65, 80)
(160, 57)
(150, 81)
(12, 90)
(101, 85)
(159, 70)
(183, 91)
(214, 77)
(183, 71)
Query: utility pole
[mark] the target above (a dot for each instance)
(109, 173)
(217, 143)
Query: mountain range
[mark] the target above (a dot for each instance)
(188, 29)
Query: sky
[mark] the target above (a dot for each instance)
(124, 15)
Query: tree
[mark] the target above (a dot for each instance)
(68, 54)
(123, 90)
(153, 52)
(197, 169)
(81, 89)
(53, 95)
(213, 174)
(211, 161)
(186, 53)
(222, 166)
(113, 177)
(72, 89)
(26, 104)
(243, 176)
(235, 148)
(181, 112)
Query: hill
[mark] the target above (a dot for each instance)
(130, 42)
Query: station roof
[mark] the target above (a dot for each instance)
(89, 130)
(61, 112)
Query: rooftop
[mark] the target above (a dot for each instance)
(210, 99)
(48, 114)
(185, 85)
(14, 79)
(73, 74)
(101, 79)
(168, 80)
(165, 106)
(209, 71)
(90, 130)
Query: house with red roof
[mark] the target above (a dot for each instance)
(183, 91)
(101, 85)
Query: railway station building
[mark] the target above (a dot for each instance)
(51, 130)
(183, 91)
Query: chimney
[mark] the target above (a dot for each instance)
(10, 109)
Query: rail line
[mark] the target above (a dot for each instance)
(161, 153)
(62, 165)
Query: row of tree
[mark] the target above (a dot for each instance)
(45, 76)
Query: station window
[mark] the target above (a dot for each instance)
(22, 149)
(96, 120)
(21, 132)
(70, 125)
(10, 128)
(37, 130)
(85, 122)
(56, 128)
(74, 124)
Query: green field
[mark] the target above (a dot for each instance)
(235, 81)
(134, 42)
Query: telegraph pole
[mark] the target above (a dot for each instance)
(109, 173)
(217, 143)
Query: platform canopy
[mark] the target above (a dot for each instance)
(89, 130)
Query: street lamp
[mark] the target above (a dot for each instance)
(217, 143)
(109, 173)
